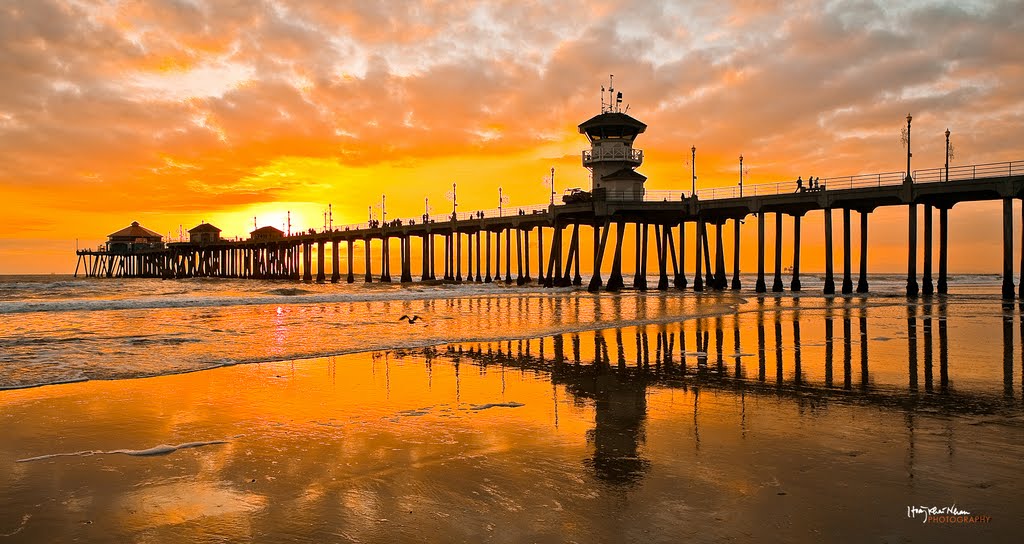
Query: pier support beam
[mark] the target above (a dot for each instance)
(709, 277)
(830, 283)
(720, 281)
(406, 259)
(577, 279)
(479, 256)
(760, 286)
(351, 278)
(469, 256)
(847, 253)
(680, 279)
(926, 281)
(661, 245)
(487, 278)
(736, 254)
(1008, 291)
(540, 255)
(912, 289)
(777, 283)
(600, 239)
(640, 270)
(526, 256)
(497, 255)
(307, 261)
(615, 279)
(425, 260)
(336, 257)
(458, 255)
(698, 282)
(862, 279)
(944, 248)
(433, 258)
(519, 257)
(367, 268)
(508, 255)
(385, 256)
(794, 285)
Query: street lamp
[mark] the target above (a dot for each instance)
(909, 154)
(551, 181)
(501, 200)
(693, 171)
(453, 196)
(741, 176)
(426, 209)
(383, 210)
(947, 154)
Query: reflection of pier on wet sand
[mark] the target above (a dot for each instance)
(710, 353)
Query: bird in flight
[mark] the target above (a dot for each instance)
(411, 320)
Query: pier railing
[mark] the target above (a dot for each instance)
(969, 172)
(613, 153)
(931, 175)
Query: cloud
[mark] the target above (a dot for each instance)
(191, 100)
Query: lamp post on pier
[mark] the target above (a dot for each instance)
(693, 171)
(741, 176)
(453, 196)
(909, 179)
(947, 154)
(502, 199)
(551, 182)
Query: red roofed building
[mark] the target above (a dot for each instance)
(266, 233)
(133, 237)
(204, 233)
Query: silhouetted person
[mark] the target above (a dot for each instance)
(799, 184)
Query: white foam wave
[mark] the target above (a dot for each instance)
(162, 449)
(269, 297)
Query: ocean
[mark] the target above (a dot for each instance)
(59, 329)
(213, 410)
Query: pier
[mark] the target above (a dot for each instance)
(474, 243)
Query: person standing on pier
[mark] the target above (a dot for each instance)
(799, 184)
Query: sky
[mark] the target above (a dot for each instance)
(173, 112)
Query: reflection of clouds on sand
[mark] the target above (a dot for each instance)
(181, 502)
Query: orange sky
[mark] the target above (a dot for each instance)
(172, 112)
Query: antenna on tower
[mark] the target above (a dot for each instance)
(602, 98)
(611, 91)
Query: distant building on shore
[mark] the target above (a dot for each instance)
(266, 233)
(203, 233)
(133, 237)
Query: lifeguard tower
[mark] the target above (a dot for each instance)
(611, 158)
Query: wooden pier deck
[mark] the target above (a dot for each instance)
(668, 212)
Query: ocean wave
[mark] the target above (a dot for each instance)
(289, 292)
(191, 301)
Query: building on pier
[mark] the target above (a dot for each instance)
(265, 234)
(203, 233)
(611, 159)
(132, 238)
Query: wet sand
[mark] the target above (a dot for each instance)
(800, 421)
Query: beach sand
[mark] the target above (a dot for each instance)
(658, 433)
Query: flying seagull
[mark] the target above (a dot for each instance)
(411, 320)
